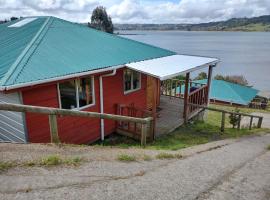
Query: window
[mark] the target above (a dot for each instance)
(77, 93)
(132, 81)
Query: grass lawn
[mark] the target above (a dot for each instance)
(191, 134)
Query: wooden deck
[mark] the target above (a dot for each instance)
(170, 115)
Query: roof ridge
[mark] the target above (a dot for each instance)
(114, 35)
(17, 62)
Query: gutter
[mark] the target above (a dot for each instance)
(59, 78)
(102, 101)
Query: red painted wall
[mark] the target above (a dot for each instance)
(79, 130)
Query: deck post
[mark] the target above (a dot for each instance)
(239, 122)
(222, 122)
(53, 129)
(250, 123)
(185, 115)
(260, 122)
(209, 80)
(143, 135)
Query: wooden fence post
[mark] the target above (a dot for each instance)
(250, 123)
(222, 122)
(239, 122)
(143, 135)
(260, 122)
(53, 129)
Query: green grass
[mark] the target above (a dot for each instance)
(168, 156)
(126, 158)
(192, 134)
(5, 165)
(268, 148)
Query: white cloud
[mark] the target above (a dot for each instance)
(139, 11)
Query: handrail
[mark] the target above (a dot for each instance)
(225, 111)
(239, 114)
(58, 111)
(195, 91)
(53, 112)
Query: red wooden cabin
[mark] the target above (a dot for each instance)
(93, 71)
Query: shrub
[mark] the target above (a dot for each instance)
(126, 158)
(234, 118)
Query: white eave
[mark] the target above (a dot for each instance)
(171, 66)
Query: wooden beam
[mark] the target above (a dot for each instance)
(143, 135)
(222, 122)
(57, 111)
(260, 122)
(54, 129)
(185, 114)
(250, 123)
(209, 80)
(239, 122)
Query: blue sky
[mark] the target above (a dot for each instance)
(139, 11)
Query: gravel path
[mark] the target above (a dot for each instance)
(238, 169)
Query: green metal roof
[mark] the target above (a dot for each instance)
(49, 47)
(230, 92)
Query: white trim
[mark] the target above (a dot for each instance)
(101, 100)
(132, 90)
(77, 94)
(70, 76)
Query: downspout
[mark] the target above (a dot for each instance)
(102, 102)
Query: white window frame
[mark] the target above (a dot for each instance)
(132, 90)
(77, 94)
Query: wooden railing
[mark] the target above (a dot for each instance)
(52, 113)
(175, 87)
(237, 114)
(197, 97)
(132, 128)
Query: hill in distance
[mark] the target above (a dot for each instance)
(261, 23)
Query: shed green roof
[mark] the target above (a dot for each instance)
(49, 47)
(230, 92)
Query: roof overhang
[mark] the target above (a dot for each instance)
(172, 66)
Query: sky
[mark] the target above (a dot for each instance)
(138, 11)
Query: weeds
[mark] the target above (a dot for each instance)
(126, 158)
(5, 166)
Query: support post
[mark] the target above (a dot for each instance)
(186, 98)
(53, 129)
(239, 122)
(222, 122)
(143, 135)
(209, 80)
(260, 122)
(250, 123)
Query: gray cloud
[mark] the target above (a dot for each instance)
(139, 11)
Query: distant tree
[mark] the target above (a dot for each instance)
(233, 79)
(201, 76)
(101, 20)
(13, 18)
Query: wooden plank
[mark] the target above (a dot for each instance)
(209, 80)
(143, 134)
(220, 110)
(53, 129)
(250, 123)
(222, 128)
(239, 122)
(185, 114)
(57, 111)
(260, 122)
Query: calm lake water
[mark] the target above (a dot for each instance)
(241, 53)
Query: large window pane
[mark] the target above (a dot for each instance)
(68, 94)
(136, 80)
(85, 92)
(127, 79)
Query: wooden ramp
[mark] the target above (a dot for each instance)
(170, 115)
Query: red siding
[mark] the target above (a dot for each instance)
(77, 129)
